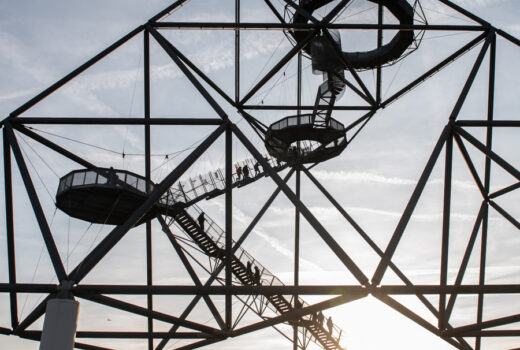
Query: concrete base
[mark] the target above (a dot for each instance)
(59, 326)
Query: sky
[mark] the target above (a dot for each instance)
(372, 179)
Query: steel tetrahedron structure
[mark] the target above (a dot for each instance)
(305, 136)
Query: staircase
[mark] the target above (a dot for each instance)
(210, 241)
(328, 92)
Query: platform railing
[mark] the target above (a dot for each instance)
(214, 182)
(103, 176)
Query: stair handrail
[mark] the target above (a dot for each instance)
(213, 230)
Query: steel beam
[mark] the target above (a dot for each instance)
(124, 335)
(148, 176)
(445, 239)
(116, 121)
(9, 229)
(319, 25)
(122, 305)
(54, 255)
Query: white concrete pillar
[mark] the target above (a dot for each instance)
(59, 326)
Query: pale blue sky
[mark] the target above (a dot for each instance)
(40, 41)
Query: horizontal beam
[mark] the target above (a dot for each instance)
(28, 288)
(89, 289)
(486, 123)
(124, 335)
(310, 26)
(494, 333)
(462, 331)
(307, 108)
(117, 121)
(452, 289)
(219, 290)
(135, 309)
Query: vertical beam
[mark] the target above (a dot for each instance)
(229, 221)
(379, 44)
(445, 230)
(37, 208)
(410, 207)
(237, 53)
(296, 210)
(296, 252)
(487, 180)
(147, 170)
(9, 229)
(482, 273)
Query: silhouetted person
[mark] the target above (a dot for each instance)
(249, 269)
(239, 172)
(320, 318)
(112, 176)
(200, 219)
(245, 169)
(257, 168)
(257, 274)
(329, 324)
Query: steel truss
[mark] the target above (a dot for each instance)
(455, 132)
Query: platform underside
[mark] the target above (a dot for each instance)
(102, 204)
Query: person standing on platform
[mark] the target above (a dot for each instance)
(245, 170)
(239, 173)
(257, 168)
(257, 275)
